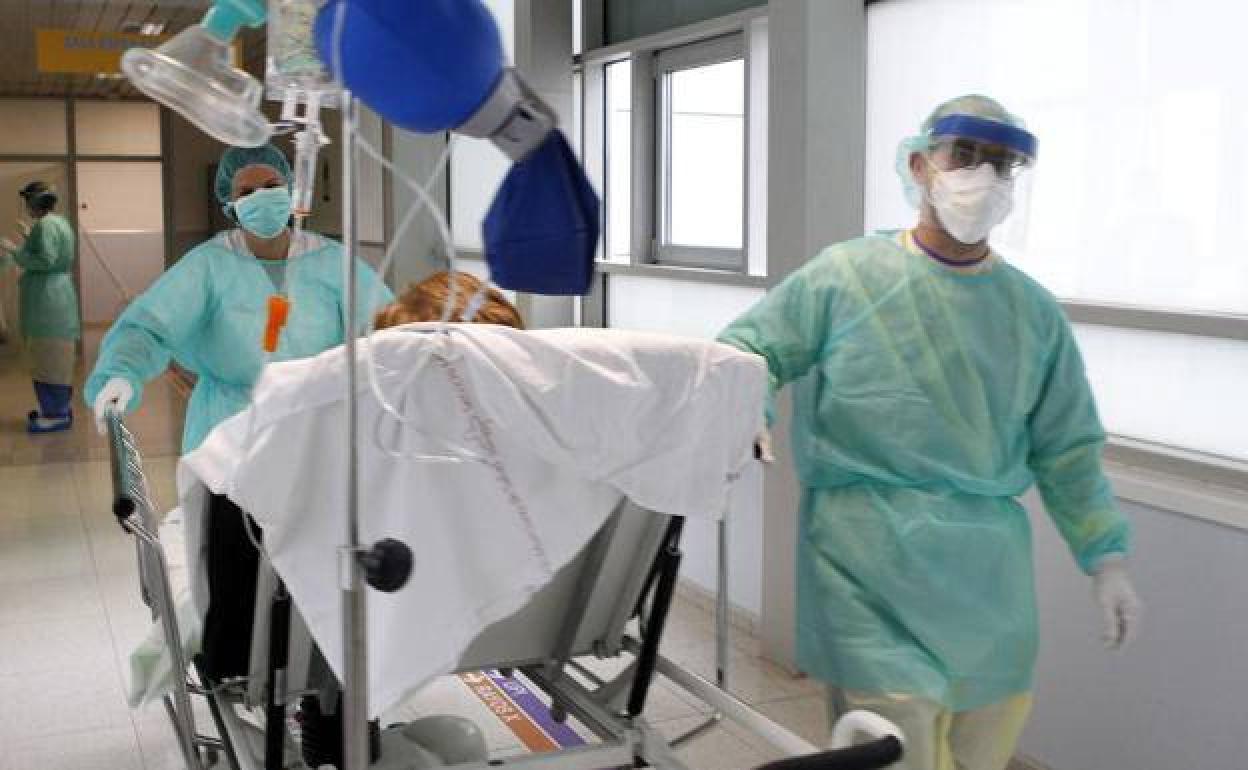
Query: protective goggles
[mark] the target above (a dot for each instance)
(966, 141)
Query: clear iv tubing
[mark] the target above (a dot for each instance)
(424, 200)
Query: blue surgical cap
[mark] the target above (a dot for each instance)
(235, 159)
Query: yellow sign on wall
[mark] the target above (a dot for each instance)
(82, 52)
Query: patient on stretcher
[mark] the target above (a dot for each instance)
(232, 559)
(427, 299)
(527, 441)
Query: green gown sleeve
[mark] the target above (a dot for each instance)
(157, 324)
(37, 254)
(1066, 445)
(786, 328)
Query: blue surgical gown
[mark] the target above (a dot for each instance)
(208, 312)
(928, 401)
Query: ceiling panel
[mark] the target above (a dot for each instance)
(20, 18)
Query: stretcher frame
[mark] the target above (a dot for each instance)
(590, 608)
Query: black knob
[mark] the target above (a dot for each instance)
(388, 565)
(123, 507)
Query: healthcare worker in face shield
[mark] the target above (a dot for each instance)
(944, 383)
(49, 307)
(212, 311)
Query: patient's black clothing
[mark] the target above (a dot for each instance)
(232, 564)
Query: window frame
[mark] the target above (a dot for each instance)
(667, 62)
(1227, 326)
(748, 264)
(605, 146)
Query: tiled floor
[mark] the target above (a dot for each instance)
(69, 615)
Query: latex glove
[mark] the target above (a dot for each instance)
(762, 447)
(1119, 603)
(7, 244)
(116, 395)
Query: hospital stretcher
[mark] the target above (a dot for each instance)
(611, 601)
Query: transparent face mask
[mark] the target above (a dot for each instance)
(193, 74)
(391, 392)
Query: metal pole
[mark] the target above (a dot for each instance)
(721, 605)
(354, 615)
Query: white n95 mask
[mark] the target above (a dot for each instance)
(971, 201)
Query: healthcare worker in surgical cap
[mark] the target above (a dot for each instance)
(210, 311)
(944, 383)
(214, 312)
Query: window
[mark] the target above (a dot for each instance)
(676, 142)
(701, 154)
(578, 27)
(1144, 245)
(619, 160)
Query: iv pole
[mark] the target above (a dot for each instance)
(355, 615)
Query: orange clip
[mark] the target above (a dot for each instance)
(279, 311)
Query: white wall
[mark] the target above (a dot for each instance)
(1173, 701)
(121, 233)
(116, 128)
(192, 156)
(136, 258)
(32, 126)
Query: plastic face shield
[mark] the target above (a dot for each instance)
(967, 141)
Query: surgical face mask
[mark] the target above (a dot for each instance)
(970, 201)
(264, 213)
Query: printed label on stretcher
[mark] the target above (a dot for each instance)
(521, 711)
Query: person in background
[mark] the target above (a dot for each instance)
(259, 292)
(425, 301)
(7, 265)
(944, 383)
(49, 319)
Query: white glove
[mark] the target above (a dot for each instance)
(24, 226)
(7, 244)
(114, 396)
(1121, 606)
(762, 447)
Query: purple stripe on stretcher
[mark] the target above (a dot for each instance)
(532, 706)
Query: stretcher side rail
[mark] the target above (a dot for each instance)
(132, 506)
